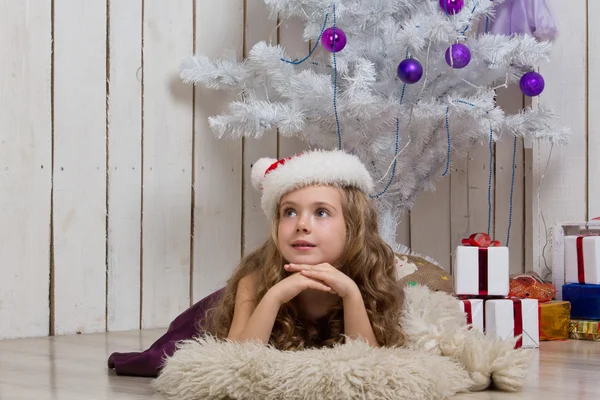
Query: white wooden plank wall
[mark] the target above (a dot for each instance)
(217, 237)
(167, 161)
(258, 27)
(79, 173)
(511, 100)
(124, 165)
(25, 167)
(430, 224)
(290, 38)
(118, 207)
(560, 183)
(593, 106)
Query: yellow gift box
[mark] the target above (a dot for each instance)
(555, 318)
(584, 330)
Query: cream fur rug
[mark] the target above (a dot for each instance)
(443, 358)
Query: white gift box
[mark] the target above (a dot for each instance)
(481, 271)
(560, 231)
(473, 308)
(502, 320)
(582, 259)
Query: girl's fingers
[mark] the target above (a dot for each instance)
(319, 285)
(296, 267)
(305, 267)
(321, 275)
(323, 288)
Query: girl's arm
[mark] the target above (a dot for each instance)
(260, 324)
(244, 304)
(356, 321)
(252, 324)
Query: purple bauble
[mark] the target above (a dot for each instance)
(461, 56)
(451, 6)
(410, 71)
(329, 40)
(532, 84)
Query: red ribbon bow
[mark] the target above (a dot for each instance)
(480, 239)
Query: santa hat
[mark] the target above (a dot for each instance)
(317, 167)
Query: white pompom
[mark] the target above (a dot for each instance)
(258, 171)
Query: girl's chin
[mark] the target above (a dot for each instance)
(307, 259)
(310, 261)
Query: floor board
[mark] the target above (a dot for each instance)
(74, 368)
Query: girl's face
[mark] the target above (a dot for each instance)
(312, 229)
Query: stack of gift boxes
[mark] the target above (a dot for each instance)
(481, 282)
(582, 285)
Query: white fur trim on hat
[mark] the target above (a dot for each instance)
(257, 175)
(313, 167)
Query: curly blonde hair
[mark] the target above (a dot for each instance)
(367, 259)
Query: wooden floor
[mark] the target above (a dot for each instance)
(74, 368)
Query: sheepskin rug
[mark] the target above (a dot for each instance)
(443, 357)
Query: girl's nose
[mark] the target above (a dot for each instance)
(302, 225)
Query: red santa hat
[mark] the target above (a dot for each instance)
(316, 167)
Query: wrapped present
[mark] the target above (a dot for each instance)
(584, 330)
(531, 286)
(562, 230)
(473, 308)
(582, 259)
(481, 267)
(507, 318)
(584, 299)
(555, 318)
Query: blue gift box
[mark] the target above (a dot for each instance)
(584, 299)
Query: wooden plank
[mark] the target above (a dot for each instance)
(511, 101)
(469, 195)
(290, 39)
(167, 162)
(459, 204)
(529, 193)
(256, 226)
(79, 166)
(218, 162)
(529, 217)
(478, 182)
(124, 165)
(430, 224)
(403, 229)
(469, 181)
(562, 194)
(593, 123)
(25, 168)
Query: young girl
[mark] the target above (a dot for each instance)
(324, 273)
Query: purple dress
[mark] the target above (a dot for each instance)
(521, 16)
(149, 362)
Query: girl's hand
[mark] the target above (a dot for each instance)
(294, 284)
(341, 283)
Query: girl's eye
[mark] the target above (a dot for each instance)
(290, 212)
(322, 213)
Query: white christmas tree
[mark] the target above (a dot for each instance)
(406, 85)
